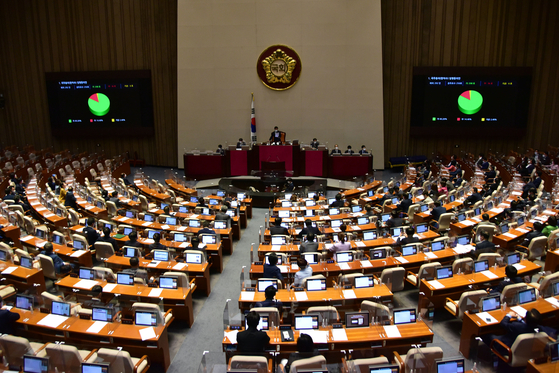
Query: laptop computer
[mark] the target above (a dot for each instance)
(306, 322)
(461, 217)
(316, 284)
(481, 265)
(160, 255)
(95, 368)
(183, 209)
(267, 259)
(396, 231)
(404, 316)
(504, 228)
(35, 364)
(87, 274)
(450, 366)
(424, 207)
(24, 302)
(286, 204)
(356, 319)
(168, 282)
(336, 223)
(334, 211)
(60, 308)
(527, 296)
(444, 272)
(149, 218)
(193, 258)
(263, 284)
(145, 318)
(384, 217)
(124, 278)
(490, 303)
(364, 282)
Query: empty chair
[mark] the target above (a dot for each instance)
(325, 312)
(362, 365)
(469, 300)
(112, 210)
(378, 312)
(29, 226)
(544, 284)
(463, 265)
(162, 318)
(525, 347)
(30, 172)
(47, 266)
(13, 349)
(81, 239)
(426, 271)
(104, 273)
(249, 363)
(62, 173)
(509, 292)
(145, 204)
(66, 358)
(103, 250)
(316, 362)
(274, 317)
(68, 169)
(393, 278)
(61, 236)
(490, 257)
(76, 165)
(74, 217)
(536, 248)
(100, 167)
(444, 222)
(314, 277)
(121, 361)
(419, 360)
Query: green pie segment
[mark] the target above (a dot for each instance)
(99, 104)
(470, 102)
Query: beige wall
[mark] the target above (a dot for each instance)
(338, 98)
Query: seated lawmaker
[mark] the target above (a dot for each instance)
(275, 136)
(252, 340)
(511, 278)
(270, 301)
(206, 228)
(59, 265)
(305, 271)
(314, 143)
(7, 319)
(363, 150)
(349, 150)
(90, 233)
(305, 350)
(107, 238)
(395, 219)
(336, 150)
(278, 229)
(339, 202)
(483, 246)
(156, 245)
(309, 229)
(309, 245)
(135, 269)
(473, 198)
(407, 237)
(133, 240)
(271, 270)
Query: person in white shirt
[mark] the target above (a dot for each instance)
(304, 271)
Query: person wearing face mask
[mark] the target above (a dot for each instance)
(336, 150)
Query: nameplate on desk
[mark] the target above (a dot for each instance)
(392, 331)
(301, 296)
(436, 284)
(401, 259)
(247, 295)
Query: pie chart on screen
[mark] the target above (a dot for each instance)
(469, 102)
(99, 104)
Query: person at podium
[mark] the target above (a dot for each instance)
(349, 150)
(241, 143)
(336, 150)
(275, 136)
(363, 150)
(314, 143)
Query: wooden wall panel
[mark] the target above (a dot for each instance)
(469, 33)
(70, 35)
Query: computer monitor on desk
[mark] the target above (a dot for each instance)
(160, 255)
(310, 258)
(263, 284)
(450, 366)
(24, 302)
(316, 284)
(513, 258)
(87, 274)
(404, 316)
(384, 369)
(124, 278)
(95, 368)
(35, 364)
(490, 303)
(145, 318)
(306, 322)
(60, 308)
(356, 319)
(369, 235)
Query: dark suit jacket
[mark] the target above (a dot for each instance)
(157, 246)
(70, 201)
(514, 328)
(221, 216)
(363, 152)
(314, 144)
(308, 247)
(406, 240)
(437, 212)
(91, 235)
(278, 230)
(349, 151)
(499, 288)
(275, 136)
(298, 356)
(110, 240)
(490, 175)
(530, 236)
(8, 321)
(475, 197)
(337, 203)
(336, 151)
(272, 272)
(395, 222)
(252, 340)
(482, 248)
(133, 244)
(405, 205)
(307, 230)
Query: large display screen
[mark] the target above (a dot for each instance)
(100, 103)
(472, 101)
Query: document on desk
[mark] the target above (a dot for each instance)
(519, 266)
(231, 336)
(77, 253)
(339, 335)
(392, 331)
(463, 249)
(165, 226)
(355, 227)
(9, 270)
(154, 210)
(48, 215)
(147, 333)
(146, 224)
(294, 267)
(366, 263)
(520, 311)
(553, 301)
(41, 244)
(182, 229)
(431, 255)
(301, 296)
(26, 238)
(548, 212)
(85, 284)
(436, 284)
(193, 216)
(89, 207)
(522, 230)
(343, 265)
(52, 320)
(247, 295)
(360, 244)
(497, 210)
(509, 235)
(155, 292)
(179, 266)
(349, 294)
(490, 275)
(337, 230)
(468, 223)
(318, 336)
(183, 245)
(148, 241)
(153, 263)
(487, 318)
(109, 287)
(328, 246)
(96, 327)
(276, 247)
(283, 269)
(401, 259)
